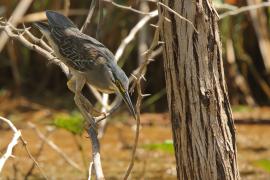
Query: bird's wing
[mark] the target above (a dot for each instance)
(80, 51)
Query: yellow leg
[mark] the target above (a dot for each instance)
(75, 84)
(87, 105)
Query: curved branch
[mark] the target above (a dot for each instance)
(12, 144)
(90, 13)
(133, 33)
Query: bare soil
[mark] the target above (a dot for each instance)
(252, 141)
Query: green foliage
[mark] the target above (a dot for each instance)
(241, 108)
(73, 123)
(3, 91)
(264, 164)
(166, 146)
(219, 1)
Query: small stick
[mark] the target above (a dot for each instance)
(12, 144)
(126, 7)
(133, 33)
(138, 107)
(54, 147)
(29, 172)
(14, 129)
(90, 13)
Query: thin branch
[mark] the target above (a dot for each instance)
(19, 11)
(178, 15)
(138, 123)
(32, 157)
(41, 146)
(14, 129)
(141, 70)
(133, 33)
(244, 9)
(11, 145)
(19, 36)
(148, 55)
(54, 147)
(90, 13)
(126, 7)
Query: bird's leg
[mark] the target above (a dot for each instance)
(75, 84)
(90, 108)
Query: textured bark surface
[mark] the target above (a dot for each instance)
(202, 124)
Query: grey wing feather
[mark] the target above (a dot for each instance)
(80, 51)
(77, 55)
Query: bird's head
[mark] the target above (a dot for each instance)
(121, 83)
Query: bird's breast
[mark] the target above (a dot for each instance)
(100, 79)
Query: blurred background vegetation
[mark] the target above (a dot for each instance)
(25, 73)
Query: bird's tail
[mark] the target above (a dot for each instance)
(43, 27)
(56, 19)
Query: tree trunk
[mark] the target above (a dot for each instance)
(202, 124)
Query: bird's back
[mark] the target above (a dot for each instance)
(78, 50)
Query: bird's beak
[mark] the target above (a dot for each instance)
(127, 100)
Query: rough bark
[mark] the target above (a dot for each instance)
(202, 124)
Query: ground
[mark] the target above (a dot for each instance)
(155, 158)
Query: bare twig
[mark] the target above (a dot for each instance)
(141, 70)
(148, 55)
(138, 122)
(19, 36)
(126, 7)
(90, 13)
(133, 32)
(14, 129)
(41, 146)
(244, 9)
(54, 147)
(12, 144)
(32, 157)
(19, 11)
